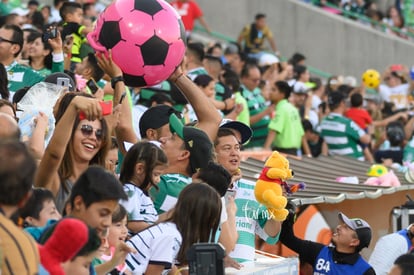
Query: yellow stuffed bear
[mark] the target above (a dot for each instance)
(268, 190)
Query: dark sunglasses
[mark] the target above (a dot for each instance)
(6, 40)
(87, 131)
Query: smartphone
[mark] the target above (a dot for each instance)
(50, 34)
(230, 193)
(106, 107)
(93, 87)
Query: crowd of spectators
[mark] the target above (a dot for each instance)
(160, 172)
(397, 19)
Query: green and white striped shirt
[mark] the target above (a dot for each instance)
(251, 218)
(257, 104)
(169, 188)
(342, 136)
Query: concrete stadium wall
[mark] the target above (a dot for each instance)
(331, 43)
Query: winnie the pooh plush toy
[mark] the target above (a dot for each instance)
(271, 185)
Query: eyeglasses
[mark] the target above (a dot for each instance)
(87, 131)
(6, 40)
(255, 79)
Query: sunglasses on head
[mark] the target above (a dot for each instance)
(87, 131)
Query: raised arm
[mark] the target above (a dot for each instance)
(208, 117)
(124, 130)
(47, 172)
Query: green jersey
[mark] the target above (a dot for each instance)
(287, 125)
(342, 136)
(251, 218)
(244, 115)
(256, 104)
(408, 153)
(169, 188)
(56, 68)
(20, 76)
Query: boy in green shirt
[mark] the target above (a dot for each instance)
(285, 129)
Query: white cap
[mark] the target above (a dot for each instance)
(267, 59)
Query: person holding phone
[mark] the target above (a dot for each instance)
(46, 52)
(89, 70)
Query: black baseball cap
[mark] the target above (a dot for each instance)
(361, 227)
(155, 117)
(61, 79)
(196, 142)
(244, 130)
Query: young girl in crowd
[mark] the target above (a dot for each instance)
(142, 167)
(112, 156)
(76, 143)
(118, 232)
(195, 219)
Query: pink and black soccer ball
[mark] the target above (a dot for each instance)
(147, 39)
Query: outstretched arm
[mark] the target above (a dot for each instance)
(124, 130)
(307, 250)
(208, 117)
(47, 172)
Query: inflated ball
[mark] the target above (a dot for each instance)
(147, 39)
(371, 78)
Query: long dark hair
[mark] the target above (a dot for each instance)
(48, 60)
(149, 155)
(66, 167)
(4, 91)
(197, 216)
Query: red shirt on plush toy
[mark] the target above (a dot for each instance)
(69, 236)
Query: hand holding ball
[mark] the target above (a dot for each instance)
(147, 39)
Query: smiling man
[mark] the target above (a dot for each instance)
(251, 218)
(188, 149)
(349, 238)
(11, 44)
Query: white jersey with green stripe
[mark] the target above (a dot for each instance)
(192, 74)
(342, 136)
(251, 218)
(169, 188)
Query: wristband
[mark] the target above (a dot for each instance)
(115, 80)
(58, 57)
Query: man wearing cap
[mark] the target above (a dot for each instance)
(188, 149)
(341, 134)
(389, 247)
(251, 218)
(11, 44)
(154, 122)
(349, 238)
(286, 133)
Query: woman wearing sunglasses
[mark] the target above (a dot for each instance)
(76, 143)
